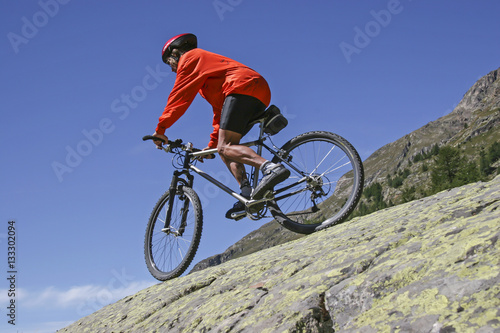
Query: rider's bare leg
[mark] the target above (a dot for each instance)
(235, 155)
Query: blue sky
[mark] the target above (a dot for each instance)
(82, 82)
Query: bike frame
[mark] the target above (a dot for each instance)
(188, 166)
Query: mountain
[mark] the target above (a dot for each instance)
(429, 265)
(472, 126)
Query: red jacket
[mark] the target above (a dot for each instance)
(214, 77)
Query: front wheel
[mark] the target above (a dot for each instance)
(170, 246)
(325, 184)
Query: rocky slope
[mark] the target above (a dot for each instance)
(431, 265)
(268, 235)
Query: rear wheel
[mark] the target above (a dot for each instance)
(170, 247)
(325, 184)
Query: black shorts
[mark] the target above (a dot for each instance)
(239, 111)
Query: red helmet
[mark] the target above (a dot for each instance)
(182, 41)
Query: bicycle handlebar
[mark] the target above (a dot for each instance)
(178, 144)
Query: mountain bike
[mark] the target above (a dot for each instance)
(324, 187)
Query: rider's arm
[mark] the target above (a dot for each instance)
(187, 84)
(214, 137)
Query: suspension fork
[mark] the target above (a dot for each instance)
(185, 208)
(174, 187)
(171, 196)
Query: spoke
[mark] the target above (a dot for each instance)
(180, 253)
(301, 159)
(335, 169)
(161, 252)
(330, 183)
(322, 161)
(185, 240)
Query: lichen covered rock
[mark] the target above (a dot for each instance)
(431, 265)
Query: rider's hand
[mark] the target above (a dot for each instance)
(158, 143)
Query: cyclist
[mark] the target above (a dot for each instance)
(238, 96)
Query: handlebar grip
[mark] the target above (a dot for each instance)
(173, 144)
(150, 137)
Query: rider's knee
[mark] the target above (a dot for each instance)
(222, 148)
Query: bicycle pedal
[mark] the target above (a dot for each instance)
(238, 216)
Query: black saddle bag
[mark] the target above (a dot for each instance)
(275, 121)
